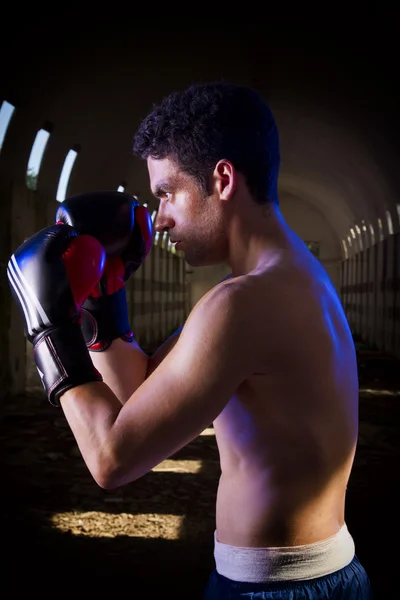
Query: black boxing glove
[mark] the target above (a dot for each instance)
(50, 276)
(125, 230)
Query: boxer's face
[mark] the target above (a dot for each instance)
(193, 220)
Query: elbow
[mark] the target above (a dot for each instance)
(103, 479)
(106, 478)
(109, 476)
(112, 466)
(106, 484)
(104, 470)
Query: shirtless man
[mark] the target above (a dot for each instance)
(266, 356)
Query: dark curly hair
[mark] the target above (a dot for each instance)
(207, 122)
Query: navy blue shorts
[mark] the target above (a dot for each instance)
(349, 583)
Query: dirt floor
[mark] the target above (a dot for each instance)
(64, 535)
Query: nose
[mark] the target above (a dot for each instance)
(163, 221)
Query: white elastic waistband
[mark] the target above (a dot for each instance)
(287, 563)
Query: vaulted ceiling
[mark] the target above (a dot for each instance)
(333, 94)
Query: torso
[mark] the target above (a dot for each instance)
(287, 438)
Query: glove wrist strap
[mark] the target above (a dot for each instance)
(63, 361)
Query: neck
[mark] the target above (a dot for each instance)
(258, 237)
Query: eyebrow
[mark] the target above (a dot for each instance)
(162, 186)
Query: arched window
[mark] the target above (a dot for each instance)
(66, 174)
(6, 112)
(360, 240)
(380, 228)
(36, 157)
(372, 232)
(389, 222)
(345, 250)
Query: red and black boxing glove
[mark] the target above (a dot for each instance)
(51, 275)
(124, 228)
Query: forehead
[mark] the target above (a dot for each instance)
(164, 169)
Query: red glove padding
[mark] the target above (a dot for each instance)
(125, 230)
(85, 262)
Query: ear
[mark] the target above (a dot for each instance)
(225, 179)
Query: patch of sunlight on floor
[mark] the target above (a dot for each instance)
(373, 392)
(101, 524)
(208, 431)
(181, 466)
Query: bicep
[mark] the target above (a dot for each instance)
(158, 356)
(211, 358)
(188, 389)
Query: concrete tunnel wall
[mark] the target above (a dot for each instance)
(339, 186)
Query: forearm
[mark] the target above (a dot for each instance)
(119, 443)
(91, 412)
(123, 367)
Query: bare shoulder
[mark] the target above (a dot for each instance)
(267, 304)
(221, 307)
(227, 303)
(228, 317)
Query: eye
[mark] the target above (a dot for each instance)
(162, 194)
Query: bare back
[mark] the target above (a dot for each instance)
(287, 438)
